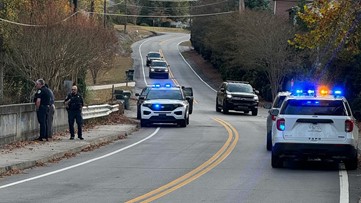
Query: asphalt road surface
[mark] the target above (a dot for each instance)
(216, 158)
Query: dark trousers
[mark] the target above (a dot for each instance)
(75, 115)
(50, 121)
(42, 115)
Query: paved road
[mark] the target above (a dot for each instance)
(217, 158)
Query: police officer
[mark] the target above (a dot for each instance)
(51, 113)
(74, 104)
(42, 102)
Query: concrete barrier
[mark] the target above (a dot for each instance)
(18, 122)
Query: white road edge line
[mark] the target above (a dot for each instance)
(80, 164)
(344, 184)
(344, 193)
(191, 66)
(141, 58)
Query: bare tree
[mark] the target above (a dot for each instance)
(60, 51)
(262, 43)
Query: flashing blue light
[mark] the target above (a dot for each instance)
(168, 85)
(309, 102)
(311, 91)
(156, 85)
(338, 92)
(157, 106)
(317, 102)
(282, 126)
(299, 91)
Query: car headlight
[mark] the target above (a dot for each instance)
(229, 96)
(152, 70)
(177, 105)
(166, 70)
(148, 105)
(255, 98)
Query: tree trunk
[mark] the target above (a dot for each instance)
(1, 82)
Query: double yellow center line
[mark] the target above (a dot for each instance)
(215, 160)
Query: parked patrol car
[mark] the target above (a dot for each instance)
(315, 125)
(166, 104)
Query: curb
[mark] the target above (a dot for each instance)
(60, 155)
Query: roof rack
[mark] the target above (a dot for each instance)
(235, 81)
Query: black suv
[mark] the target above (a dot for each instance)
(238, 96)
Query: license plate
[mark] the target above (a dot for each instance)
(314, 128)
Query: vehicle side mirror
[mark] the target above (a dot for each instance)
(256, 91)
(267, 105)
(357, 115)
(142, 97)
(222, 89)
(137, 94)
(274, 112)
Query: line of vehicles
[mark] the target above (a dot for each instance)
(307, 124)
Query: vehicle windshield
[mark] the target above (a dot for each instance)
(240, 88)
(155, 55)
(314, 107)
(159, 63)
(164, 94)
(278, 102)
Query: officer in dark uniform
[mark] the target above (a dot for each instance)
(42, 104)
(74, 104)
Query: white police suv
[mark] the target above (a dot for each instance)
(315, 125)
(165, 104)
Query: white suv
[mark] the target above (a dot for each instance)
(277, 102)
(314, 127)
(165, 105)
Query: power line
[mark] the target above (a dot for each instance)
(122, 15)
(164, 16)
(160, 7)
(34, 25)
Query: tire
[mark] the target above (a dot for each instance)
(183, 123)
(276, 162)
(217, 106)
(224, 108)
(188, 120)
(351, 164)
(269, 141)
(143, 123)
(254, 112)
(246, 112)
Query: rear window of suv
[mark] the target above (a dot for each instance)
(314, 107)
(240, 88)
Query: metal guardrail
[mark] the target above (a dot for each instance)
(96, 111)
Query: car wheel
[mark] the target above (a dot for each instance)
(269, 141)
(246, 112)
(217, 106)
(276, 162)
(188, 120)
(352, 163)
(254, 112)
(143, 123)
(183, 123)
(224, 107)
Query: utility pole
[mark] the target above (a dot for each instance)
(105, 11)
(126, 17)
(2, 68)
(242, 6)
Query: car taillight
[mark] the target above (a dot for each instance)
(349, 125)
(274, 118)
(281, 124)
